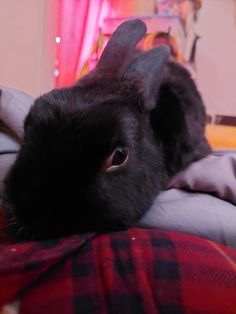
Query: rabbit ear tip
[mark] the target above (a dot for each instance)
(165, 49)
(134, 23)
(137, 22)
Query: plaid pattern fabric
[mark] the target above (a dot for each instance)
(133, 271)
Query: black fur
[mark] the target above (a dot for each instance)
(179, 119)
(56, 186)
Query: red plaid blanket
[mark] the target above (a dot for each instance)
(133, 271)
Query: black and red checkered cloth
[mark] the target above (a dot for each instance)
(133, 271)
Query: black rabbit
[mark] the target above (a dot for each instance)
(95, 155)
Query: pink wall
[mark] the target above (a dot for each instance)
(216, 56)
(27, 44)
(133, 7)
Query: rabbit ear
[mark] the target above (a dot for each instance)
(147, 71)
(120, 47)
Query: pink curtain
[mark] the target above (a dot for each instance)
(77, 29)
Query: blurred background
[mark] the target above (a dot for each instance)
(51, 43)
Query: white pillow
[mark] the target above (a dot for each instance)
(201, 201)
(14, 106)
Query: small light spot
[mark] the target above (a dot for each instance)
(58, 40)
(133, 238)
(13, 249)
(56, 72)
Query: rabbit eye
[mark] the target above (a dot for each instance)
(119, 156)
(117, 159)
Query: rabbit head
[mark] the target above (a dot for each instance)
(89, 160)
